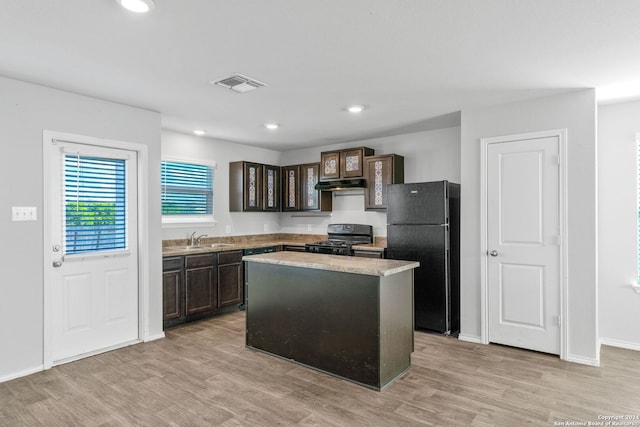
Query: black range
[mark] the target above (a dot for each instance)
(341, 239)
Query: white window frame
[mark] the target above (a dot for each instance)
(181, 220)
(636, 286)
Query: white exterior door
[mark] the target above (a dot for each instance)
(523, 243)
(94, 260)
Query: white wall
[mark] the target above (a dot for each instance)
(191, 147)
(428, 156)
(619, 307)
(25, 111)
(576, 112)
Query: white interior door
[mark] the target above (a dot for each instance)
(523, 242)
(94, 268)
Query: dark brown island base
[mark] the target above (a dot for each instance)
(349, 317)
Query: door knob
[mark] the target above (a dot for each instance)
(493, 253)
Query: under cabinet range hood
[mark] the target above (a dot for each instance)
(341, 184)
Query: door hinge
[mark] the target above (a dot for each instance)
(556, 160)
(558, 239)
(556, 321)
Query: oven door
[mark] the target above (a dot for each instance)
(318, 249)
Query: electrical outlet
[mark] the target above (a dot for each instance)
(24, 213)
(228, 229)
(309, 227)
(266, 227)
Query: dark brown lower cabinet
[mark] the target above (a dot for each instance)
(202, 285)
(201, 282)
(172, 291)
(230, 273)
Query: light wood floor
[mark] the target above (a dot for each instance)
(202, 375)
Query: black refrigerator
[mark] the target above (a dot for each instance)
(423, 224)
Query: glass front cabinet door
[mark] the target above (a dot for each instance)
(380, 171)
(270, 188)
(291, 188)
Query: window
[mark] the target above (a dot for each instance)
(94, 204)
(187, 191)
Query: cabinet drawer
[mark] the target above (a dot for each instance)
(368, 254)
(230, 257)
(205, 260)
(171, 263)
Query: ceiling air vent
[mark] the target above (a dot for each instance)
(239, 83)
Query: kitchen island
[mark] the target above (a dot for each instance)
(347, 316)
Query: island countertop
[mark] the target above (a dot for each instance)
(345, 264)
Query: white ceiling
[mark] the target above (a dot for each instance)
(406, 60)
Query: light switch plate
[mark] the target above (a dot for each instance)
(24, 213)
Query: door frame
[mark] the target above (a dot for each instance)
(561, 134)
(142, 239)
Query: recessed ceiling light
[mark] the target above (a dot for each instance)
(355, 108)
(271, 126)
(138, 6)
(199, 132)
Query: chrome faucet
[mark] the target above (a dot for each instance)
(195, 241)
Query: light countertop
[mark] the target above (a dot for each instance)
(178, 247)
(345, 264)
(206, 248)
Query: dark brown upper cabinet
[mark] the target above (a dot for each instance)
(299, 192)
(312, 199)
(253, 187)
(380, 171)
(348, 163)
(291, 188)
(271, 188)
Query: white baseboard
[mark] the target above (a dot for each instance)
(470, 338)
(155, 337)
(621, 344)
(583, 360)
(24, 373)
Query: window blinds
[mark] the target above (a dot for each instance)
(187, 189)
(95, 204)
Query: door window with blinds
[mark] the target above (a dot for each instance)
(95, 204)
(187, 191)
